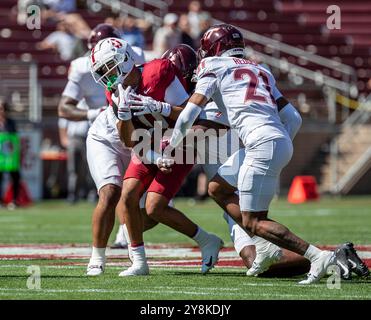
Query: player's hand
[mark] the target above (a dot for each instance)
(121, 98)
(146, 105)
(165, 164)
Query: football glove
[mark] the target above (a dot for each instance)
(121, 98)
(146, 105)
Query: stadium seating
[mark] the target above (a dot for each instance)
(298, 23)
(302, 24)
(19, 43)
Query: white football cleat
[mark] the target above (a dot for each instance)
(264, 259)
(319, 267)
(119, 245)
(121, 241)
(135, 270)
(95, 269)
(210, 253)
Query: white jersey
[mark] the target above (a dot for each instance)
(213, 113)
(242, 90)
(81, 84)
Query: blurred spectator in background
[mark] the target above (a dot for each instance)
(205, 22)
(65, 6)
(51, 10)
(131, 33)
(62, 41)
(168, 36)
(77, 25)
(72, 136)
(128, 27)
(115, 20)
(7, 125)
(194, 11)
(22, 10)
(185, 30)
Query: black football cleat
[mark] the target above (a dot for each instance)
(355, 262)
(341, 260)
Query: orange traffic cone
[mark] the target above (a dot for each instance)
(23, 198)
(303, 188)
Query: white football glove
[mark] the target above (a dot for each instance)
(166, 162)
(121, 101)
(146, 105)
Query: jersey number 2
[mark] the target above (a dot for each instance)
(253, 83)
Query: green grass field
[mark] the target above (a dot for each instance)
(327, 222)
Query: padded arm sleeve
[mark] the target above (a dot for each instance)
(185, 121)
(291, 119)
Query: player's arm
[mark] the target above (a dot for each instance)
(126, 129)
(67, 108)
(62, 128)
(72, 94)
(175, 98)
(288, 114)
(124, 124)
(187, 118)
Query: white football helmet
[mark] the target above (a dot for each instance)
(111, 60)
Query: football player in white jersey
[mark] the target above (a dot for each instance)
(217, 153)
(159, 79)
(106, 155)
(244, 91)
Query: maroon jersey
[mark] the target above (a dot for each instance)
(157, 76)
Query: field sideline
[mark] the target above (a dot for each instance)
(55, 237)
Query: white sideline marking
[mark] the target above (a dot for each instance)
(85, 252)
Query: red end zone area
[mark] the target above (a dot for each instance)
(159, 255)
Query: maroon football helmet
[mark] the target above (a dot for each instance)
(185, 59)
(221, 38)
(100, 32)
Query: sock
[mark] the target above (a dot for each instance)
(126, 233)
(139, 254)
(239, 237)
(98, 255)
(201, 237)
(259, 242)
(312, 253)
